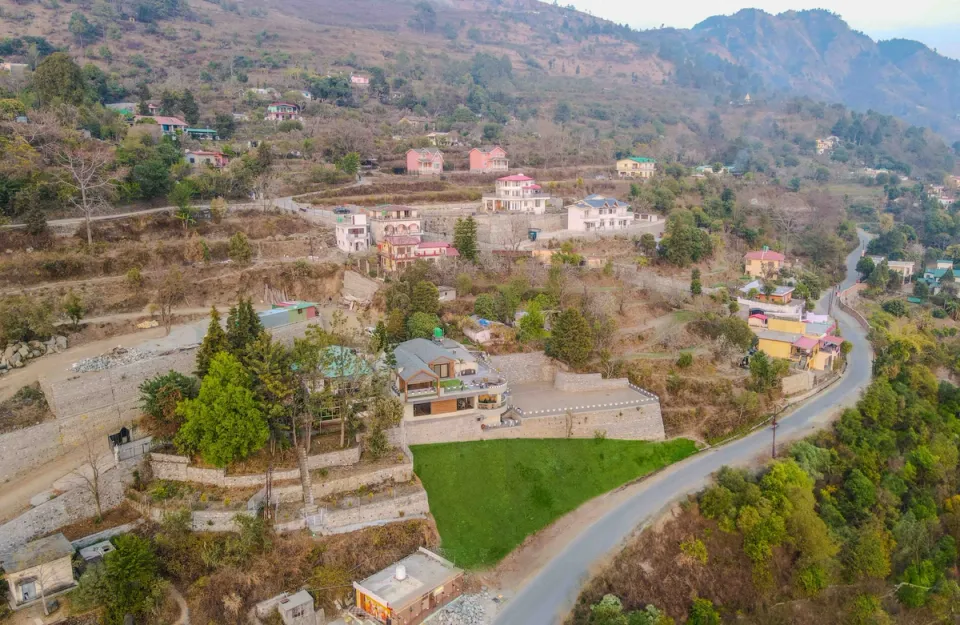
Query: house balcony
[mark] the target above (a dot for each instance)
(488, 405)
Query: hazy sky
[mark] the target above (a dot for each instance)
(934, 22)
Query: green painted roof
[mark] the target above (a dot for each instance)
(343, 362)
(641, 159)
(209, 131)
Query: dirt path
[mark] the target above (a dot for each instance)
(184, 610)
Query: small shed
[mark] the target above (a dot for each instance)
(411, 590)
(39, 569)
(298, 311)
(447, 293)
(96, 551)
(274, 318)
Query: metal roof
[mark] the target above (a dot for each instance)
(780, 337)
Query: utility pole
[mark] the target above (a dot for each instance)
(773, 427)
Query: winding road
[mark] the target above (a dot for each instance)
(549, 596)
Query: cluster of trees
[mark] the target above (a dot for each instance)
(251, 390)
(413, 303)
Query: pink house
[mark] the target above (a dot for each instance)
(359, 80)
(425, 162)
(484, 160)
(435, 251)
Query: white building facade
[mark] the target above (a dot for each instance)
(393, 220)
(517, 194)
(596, 213)
(353, 233)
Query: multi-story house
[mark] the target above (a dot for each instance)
(596, 213)
(393, 220)
(442, 377)
(353, 233)
(488, 160)
(435, 251)
(636, 167)
(425, 162)
(517, 193)
(763, 263)
(282, 111)
(198, 158)
(168, 125)
(397, 252)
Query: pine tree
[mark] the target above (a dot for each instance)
(214, 342)
(571, 340)
(243, 327)
(465, 238)
(191, 111)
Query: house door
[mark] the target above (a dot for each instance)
(28, 591)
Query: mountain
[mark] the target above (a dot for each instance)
(817, 54)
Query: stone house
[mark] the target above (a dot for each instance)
(39, 569)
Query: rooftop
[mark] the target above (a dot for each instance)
(515, 178)
(818, 328)
(599, 201)
(294, 600)
(805, 342)
(425, 571)
(641, 159)
(780, 337)
(401, 240)
(832, 340)
(756, 284)
(37, 552)
(163, 120)
(764, 255)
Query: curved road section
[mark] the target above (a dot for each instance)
(549, 596)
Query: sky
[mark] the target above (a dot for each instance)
(934, 22)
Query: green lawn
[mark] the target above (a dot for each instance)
(487, 496)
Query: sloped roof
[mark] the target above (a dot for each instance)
(641, 159)
(764, 255)
(515, 178)
(805, 342)
(431, 151)
(780, 337)
(37, 552)
(163, 120)
(832, 340)
(599, 201)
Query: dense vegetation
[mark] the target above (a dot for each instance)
(488, 496)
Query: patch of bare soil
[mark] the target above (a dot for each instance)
(27, 407)
(121, 515)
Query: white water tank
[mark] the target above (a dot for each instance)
(401, 573)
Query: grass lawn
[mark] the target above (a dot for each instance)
(488, 496)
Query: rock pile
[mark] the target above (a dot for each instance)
(17, 354)
(116, 357)
(468, 610)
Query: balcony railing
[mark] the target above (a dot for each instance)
(483, 405)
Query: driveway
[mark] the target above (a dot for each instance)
(550, 594)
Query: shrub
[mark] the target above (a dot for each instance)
(134, 277)
(896, 307)
(240, 250)
(685, 360)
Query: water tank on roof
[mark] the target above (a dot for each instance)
(438, 333)
(401, 573)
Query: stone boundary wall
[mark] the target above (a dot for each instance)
(525, 368)
(799, 382)
(643, 422)
(399, 473)
(178, 469)
(578, 382)
(343, 520)
(495, 230)
(200, 520)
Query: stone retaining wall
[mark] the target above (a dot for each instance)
(399, 473)
(524, 368)
(642, 422)
(178, 469)
(342, 520)
(799, 382)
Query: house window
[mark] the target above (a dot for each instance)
(421, 409)
(298, 611)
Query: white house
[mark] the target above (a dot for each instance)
(596, 213)
(517, 194)
(353, 233)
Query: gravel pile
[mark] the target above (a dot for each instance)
(469, 610)
(116, 357)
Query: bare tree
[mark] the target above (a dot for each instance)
(87, 170)
(789, 222)
(264, 187)
(89, 474)
(171, 292)
(515, 230)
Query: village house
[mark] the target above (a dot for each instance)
(282, 111)
(780, 295)
(905, 268)
(763, 263)
(295, 609)
(199, 158)
(202, 134)
(439, 139)
(827, 145)
(442, 377)
(14, 68)
(39, 570)
(934, 277)
(353, 233)
(488, 160)
(410, 591)
(126, 109)
(806, 344)
(447, 293)
(168, 125)
(435, 251)
(396, 253)
(359, 81)
(636, 167)
(286, 313)
(425, 162)
(412, 120)
(392, 220)
(517, 193)
(596, 213)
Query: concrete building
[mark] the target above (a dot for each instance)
(200, 158)
(393, 220)
(435, 251)
(488, 160)
(906, 268)
(282, 111)
(596, 213)
(353, 233)
(781, 295)
(410, 591)
(295, 609)
(425, 162)
(516, 194)
(447, 293)
(763, 263)
(396, 253)
(636, 167)
(168, 125)
(38, 570)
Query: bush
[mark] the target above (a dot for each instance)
(685, 360)
(240, 250)
(23, 318)
(896, 307)
(939, 313)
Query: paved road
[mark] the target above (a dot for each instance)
(550, 595)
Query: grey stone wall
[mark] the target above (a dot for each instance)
(799, 382)
(525, 368)
(400, 473)
(342, 520)
(493, 230)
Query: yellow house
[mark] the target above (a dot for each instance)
(762, 263)
(785, 325)
(798, 349)
(636, 167)
(40, 569)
